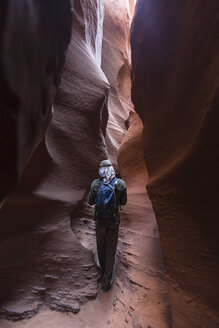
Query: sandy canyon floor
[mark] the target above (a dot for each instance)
(138, 297)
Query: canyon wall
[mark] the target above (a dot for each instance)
(42, 263)
(33, 40)
(47, 241)
(116, 64)
(46, 235)
(175, 69)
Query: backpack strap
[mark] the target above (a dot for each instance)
(114, 182)
(94, 209)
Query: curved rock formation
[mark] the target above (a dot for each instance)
(33, 40)
(175, 91)
(47, 243)
(42, 262)
(116, 65)
(147, 268)
(139, 296)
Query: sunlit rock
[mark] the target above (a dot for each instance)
(116, 64)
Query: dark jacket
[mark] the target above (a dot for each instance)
(121, 198)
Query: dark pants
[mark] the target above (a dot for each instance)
(107, 238)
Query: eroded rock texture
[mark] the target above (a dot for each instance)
(33, 39)
(116, 65)
(175, 91)
(139, 295)
(42, 262)
(141, 258)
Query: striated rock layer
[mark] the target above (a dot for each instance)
(175, 84)
(116, 58)
(42, 263)
(143, 254)
(46, 264)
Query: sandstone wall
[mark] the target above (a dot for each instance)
(175, 66)
(116, 58)
(33, 40)
(42, 263)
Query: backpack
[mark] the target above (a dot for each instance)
(106, 200)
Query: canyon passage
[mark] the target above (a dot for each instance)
(134, 82)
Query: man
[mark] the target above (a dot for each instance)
(107, 225)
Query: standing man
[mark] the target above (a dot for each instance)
(107, 193)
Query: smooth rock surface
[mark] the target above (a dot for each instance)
(116, 64)
(33, 40)
(42, 262)
(175, 73)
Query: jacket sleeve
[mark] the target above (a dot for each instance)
(92, 194)
(122, 193)
(123, 199)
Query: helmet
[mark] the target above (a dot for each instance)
(105, 163)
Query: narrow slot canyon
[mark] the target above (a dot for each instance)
(135, 82)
